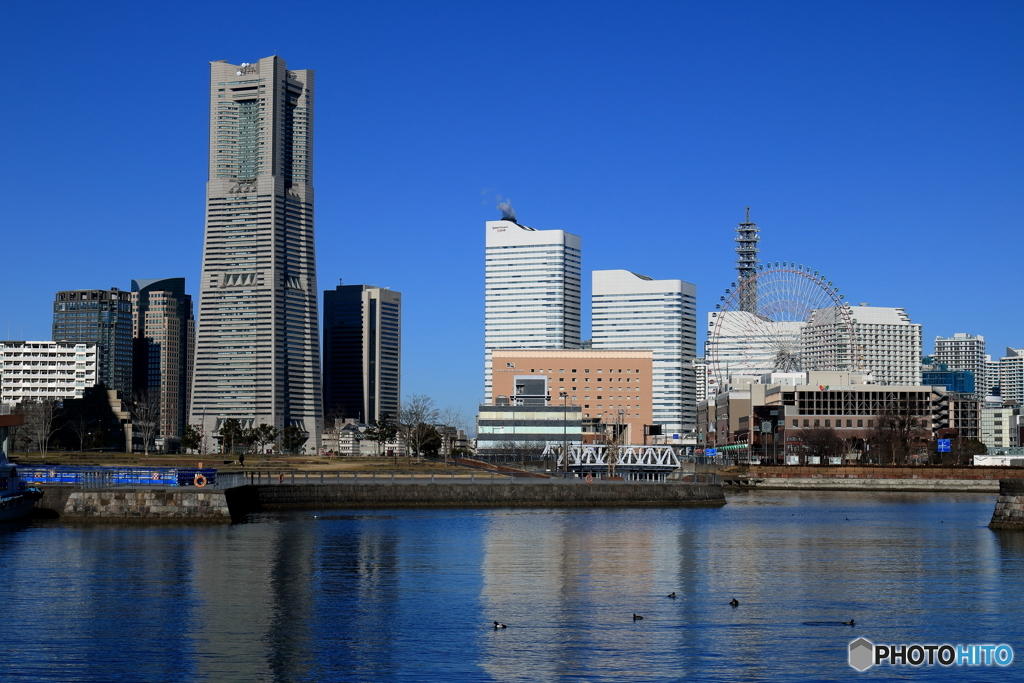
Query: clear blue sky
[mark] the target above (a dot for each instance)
(878, 142)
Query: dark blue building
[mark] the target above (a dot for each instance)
(103, 318)
(958, 381)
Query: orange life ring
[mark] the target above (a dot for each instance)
(199, 481)
(589, 479)
(280, 478)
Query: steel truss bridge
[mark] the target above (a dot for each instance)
(627, 458)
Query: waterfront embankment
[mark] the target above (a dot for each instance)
(1009, 512)
(245, 499)
(174, 504)
(870, 478)
(152, 504)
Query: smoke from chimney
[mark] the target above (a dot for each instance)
(507, 212)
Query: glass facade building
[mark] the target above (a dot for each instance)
(104, 318)
(362, 352)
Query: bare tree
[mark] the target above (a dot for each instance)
(40, 417)
(898, 430)
(962, 451)
(79, 429)
(822, 442)
(452, 419)
(145, 410)
(416, 418)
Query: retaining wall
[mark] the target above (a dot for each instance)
(245, 499)
(1009, 512)
(854, 484)
(144, 505)
(880, 472)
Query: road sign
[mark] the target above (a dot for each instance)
(710, 451)
(943, 445)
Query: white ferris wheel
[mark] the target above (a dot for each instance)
(782, 317)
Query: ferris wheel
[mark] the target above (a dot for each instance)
(782, 317)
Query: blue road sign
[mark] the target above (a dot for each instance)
(943, 445)
(710, 451)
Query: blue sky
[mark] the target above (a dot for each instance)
(878, 142)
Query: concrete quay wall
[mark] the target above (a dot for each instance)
(1009, 512)
(993, 474)
(136, 505)
(825, 484)
(245, 499)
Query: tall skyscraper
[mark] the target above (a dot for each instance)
(631, 311)
(163, 331)
(531, 290)
(362, 352)
(257, 346)
(964, 352)
(103, 318)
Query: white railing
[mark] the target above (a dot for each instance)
(636, 457)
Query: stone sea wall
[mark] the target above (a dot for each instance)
(881, 472)
(246, 499)
(854, 484)
(1009, 512)
(149, 505)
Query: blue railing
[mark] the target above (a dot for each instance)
(115, 476)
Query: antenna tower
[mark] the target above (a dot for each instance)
(747, 237)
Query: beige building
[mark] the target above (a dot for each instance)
(613, 386)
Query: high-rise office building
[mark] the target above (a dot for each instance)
(631, 311)
(963, 352)
(163, 330)
(104, 318)
(257, 346)
(531, 290)
(362, 352)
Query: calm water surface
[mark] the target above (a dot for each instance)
(410, 595)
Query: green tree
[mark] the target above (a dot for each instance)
(292, 439)
(192, 438)
(263, 435)
(231, 433)
(381, 432)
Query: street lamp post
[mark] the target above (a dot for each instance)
(565, 429)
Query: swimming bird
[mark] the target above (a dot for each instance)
(672, 595)
(734, 602)
(637, 617)
(851, 622)
(497, 626)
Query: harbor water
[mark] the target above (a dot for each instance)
(411, 595)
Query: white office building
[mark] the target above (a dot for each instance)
(631, 311)
(40, 370)
(531, 290)
(964, 352)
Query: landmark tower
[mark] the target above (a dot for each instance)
(257, 345)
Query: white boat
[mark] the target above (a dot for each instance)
(16, 498)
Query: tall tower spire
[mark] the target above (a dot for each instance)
(747, 237)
